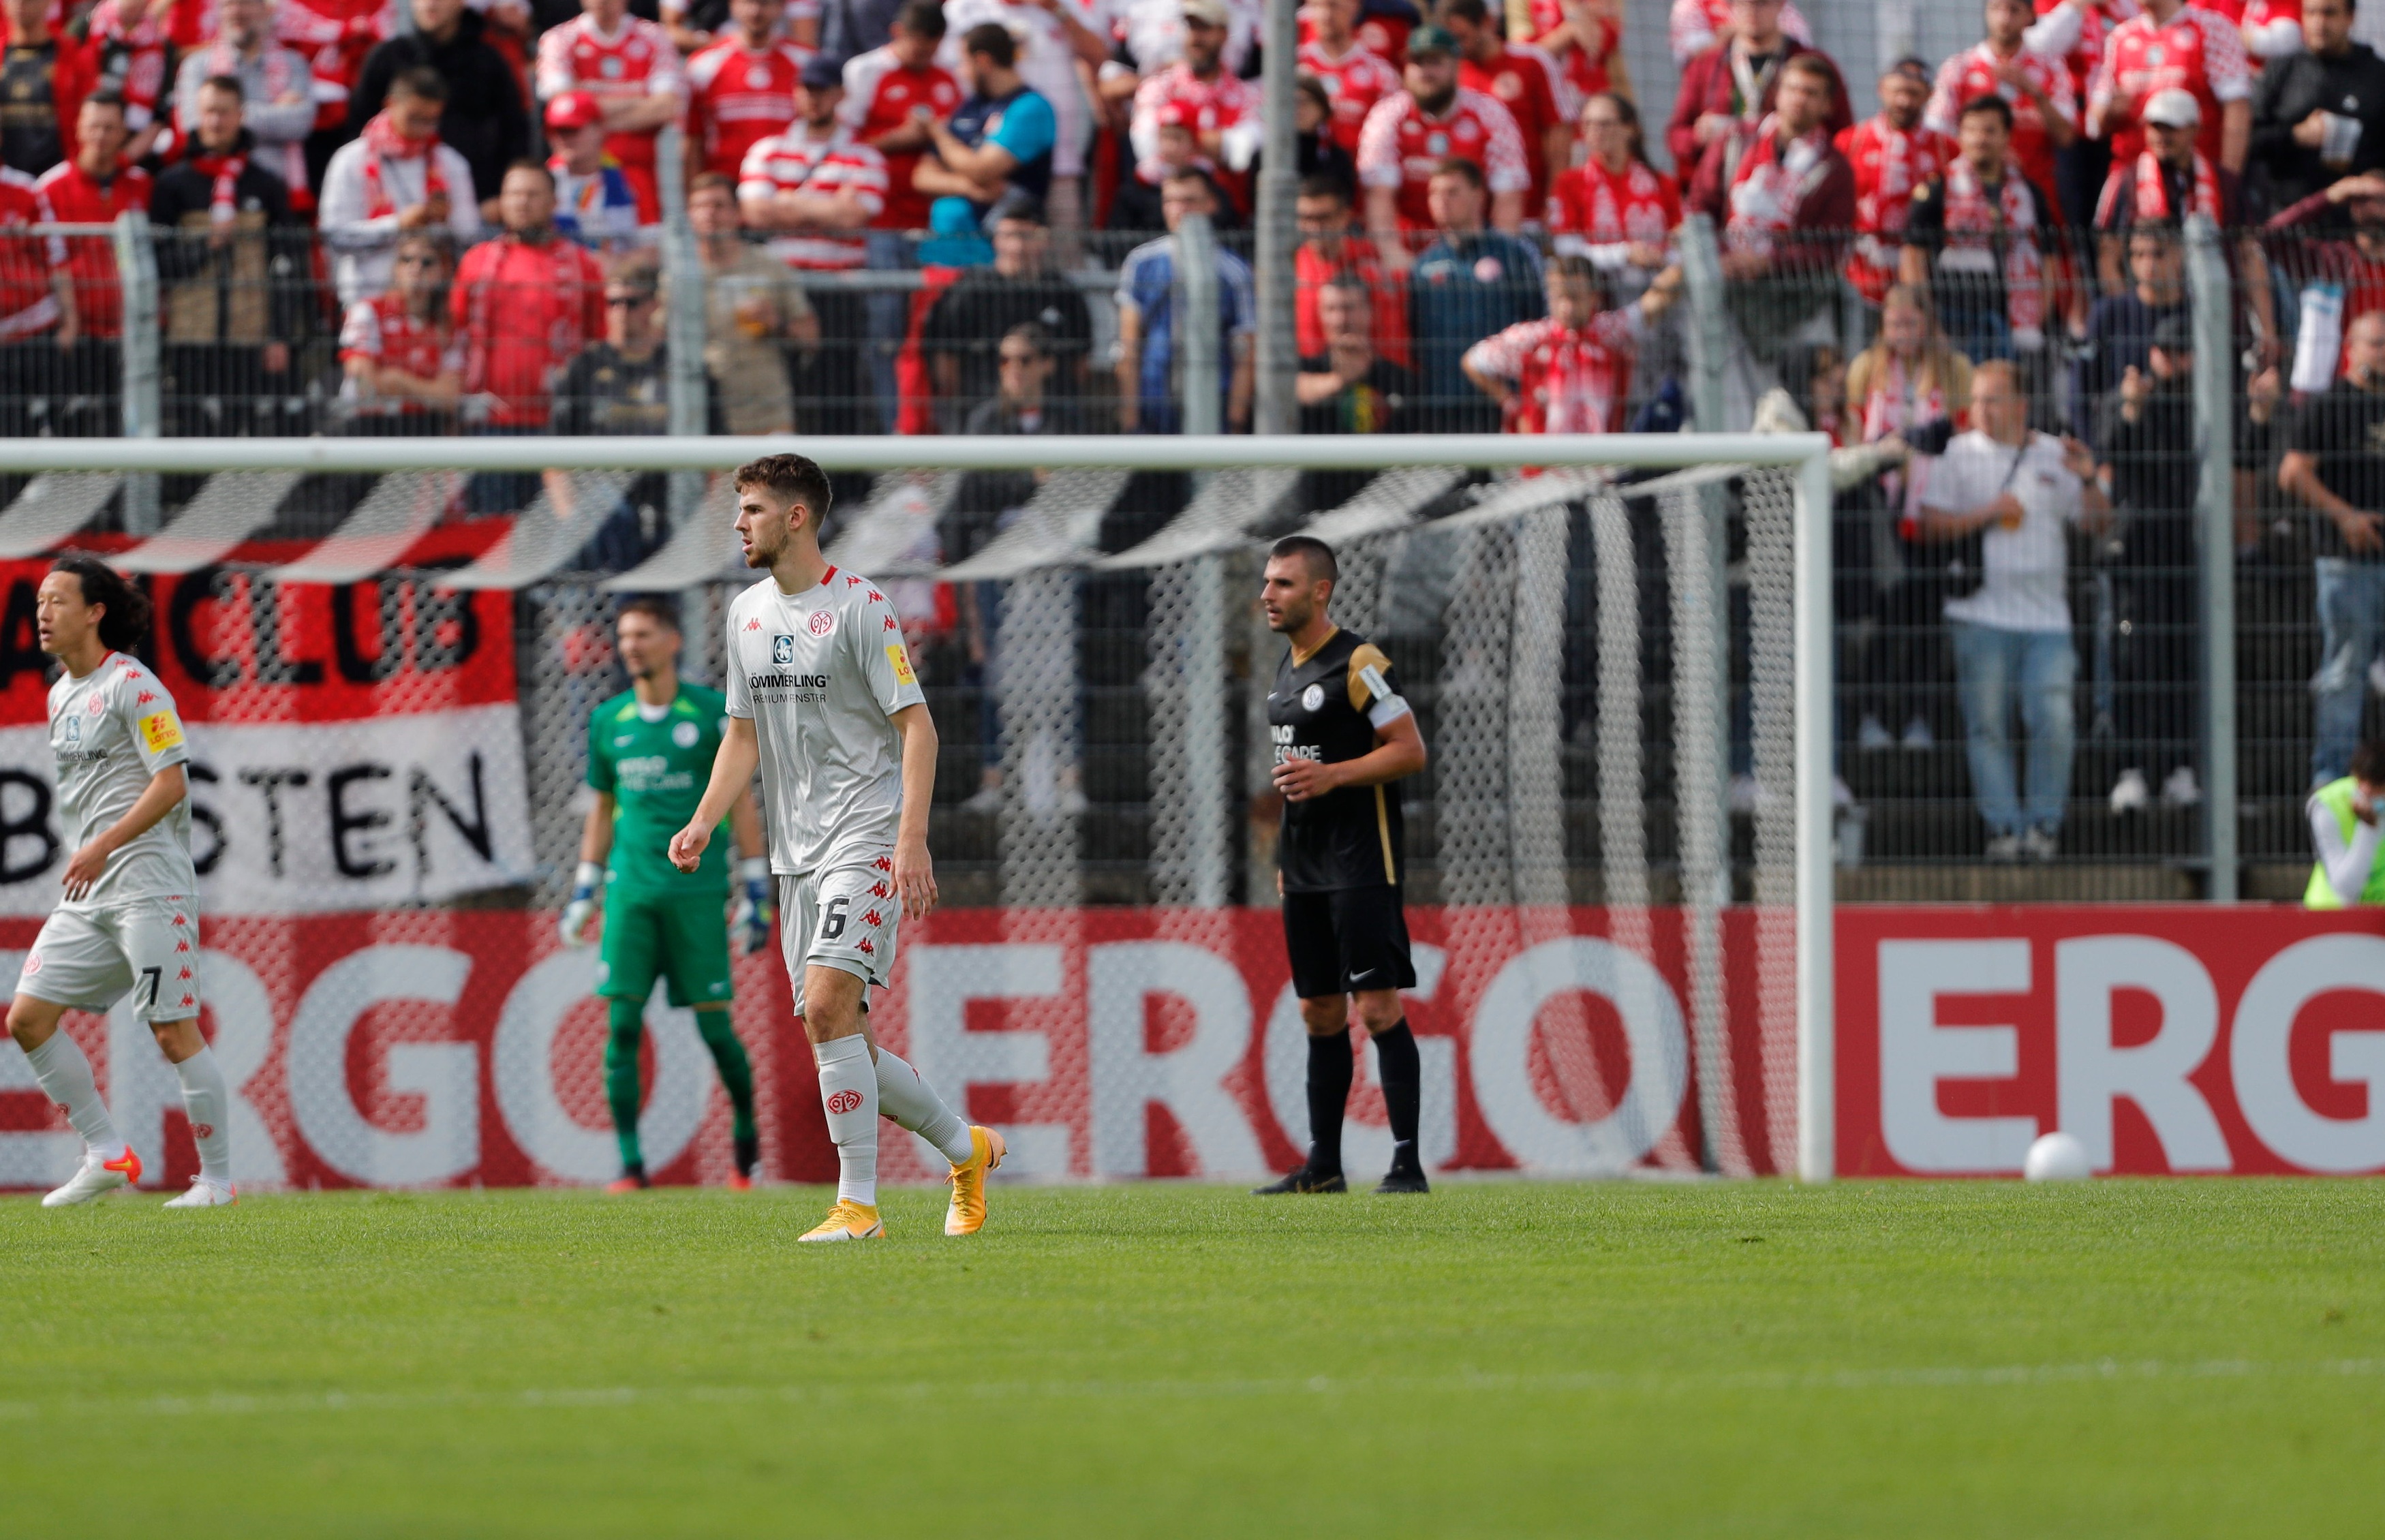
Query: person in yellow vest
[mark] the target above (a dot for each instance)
(2344, 827)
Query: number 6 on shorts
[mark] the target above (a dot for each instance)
(833, 920)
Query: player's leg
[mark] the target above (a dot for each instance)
(696, 961)
(160, 939)
(829, 999)
(73, 963)
(1325, 1010)
(627, 960)
(1373, 929)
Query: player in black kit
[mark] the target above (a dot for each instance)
(1342, 736)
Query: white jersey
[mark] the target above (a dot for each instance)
(111, 732)
(820, 674)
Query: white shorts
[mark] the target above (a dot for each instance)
(842, 915)
(89, 959)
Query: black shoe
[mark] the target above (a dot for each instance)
(1399, 1180)
(749, 1154)
(1300, 1179)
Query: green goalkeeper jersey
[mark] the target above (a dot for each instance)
(656, 768)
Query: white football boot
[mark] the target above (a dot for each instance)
(205, 1194)
(97, 1177)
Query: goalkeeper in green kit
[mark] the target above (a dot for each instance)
(650, 753)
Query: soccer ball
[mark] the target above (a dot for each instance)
(2056, 1157)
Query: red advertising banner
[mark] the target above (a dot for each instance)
(2165, 1038)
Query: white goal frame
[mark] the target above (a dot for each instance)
(1808, 454)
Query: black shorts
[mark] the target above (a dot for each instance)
(1347, 940)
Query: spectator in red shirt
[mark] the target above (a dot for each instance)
(1524, 84)
(43, 77)
(883, 88)
(1333, 247)
(527, 304)
(2035, 86)
(1408, 136)
(1731, 85)
(37, 314)
(742, 89)
(403, 361)
(1892, 155)
(1222, 111)
(1353, 77)
(1583, 36)
(1615, 209)
(2175, 46)
(93, 188)
(1569, 372)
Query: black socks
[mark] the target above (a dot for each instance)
(1402, 1075)
(1329, 1068)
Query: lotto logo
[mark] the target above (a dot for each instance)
(843, 1102)
(160, 732)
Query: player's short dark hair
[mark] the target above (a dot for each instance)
(1572, 265)
(1816, 66)
(1314, 553)
(1325, 185)
(124, 625)
(922, 17)
(421, 82)
(792, 479)
(527, 164)
(653, 606)
(1990, 103)
(1464, 170)
(229, 84)
(994, 40)
(2368, 762)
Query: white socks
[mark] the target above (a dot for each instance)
(64, 1077)
(209, 1101)
(907, 1098)
(849, 1096)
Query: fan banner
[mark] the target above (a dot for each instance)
(351, 746)
(2165, 1038)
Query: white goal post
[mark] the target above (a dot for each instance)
(73, 479)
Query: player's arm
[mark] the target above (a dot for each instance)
(595, 845)
(732, 775)
(166, 789)
(1399, 751)
(914, 874)
(754, 916)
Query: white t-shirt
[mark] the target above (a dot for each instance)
(820, 674)
(111, 732)
(2026, 567)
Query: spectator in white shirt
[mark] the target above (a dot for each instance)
(395, 177)
(2015, 490)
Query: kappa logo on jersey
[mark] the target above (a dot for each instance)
(880, 890)
(753, 625)
(882, 864)
(873, 918)
(144, 697)
(843, 1102)
(867, 946)
(902, 661)
(161, 731)
(783, 648)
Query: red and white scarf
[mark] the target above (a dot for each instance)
(1772, 182)
(2011, 219)
(223, 200)
(385, 143)
(2152, 189)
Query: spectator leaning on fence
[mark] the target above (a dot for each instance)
(400, 354)
(2318, 115)
(44, 78)
(395, 177)
(2015, 493)
(1471, 282)
(962, 334)
(753, 308)
(1150, 333)
(483, 120)
(2336, 463)
(2344, 833)
(279, 83)
(236, 292)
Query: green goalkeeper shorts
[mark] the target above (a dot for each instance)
(682, 937)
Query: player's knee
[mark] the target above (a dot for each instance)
(1326, 1015)
(30, 1022)
(1379, 1010)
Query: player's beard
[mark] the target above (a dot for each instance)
(1437, 104)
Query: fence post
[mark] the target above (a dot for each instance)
(1196, 335)
(1277, 407)
(136, 276)
(2214, 509)
(1709, 331)
(683, 318)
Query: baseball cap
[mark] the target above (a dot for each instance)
(574, 109)
(1430, 39)
(2173, 109)
(822, 73)
(1211, 13)
(1172, 114)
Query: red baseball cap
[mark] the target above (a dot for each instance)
(574, 109)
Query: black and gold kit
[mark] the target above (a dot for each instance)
(1343, 855)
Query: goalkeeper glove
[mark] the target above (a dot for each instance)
(756, 915)
(583, 902)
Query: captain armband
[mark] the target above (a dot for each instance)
(1386, 707)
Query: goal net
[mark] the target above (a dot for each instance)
(387, 652)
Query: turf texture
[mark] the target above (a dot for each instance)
(1514, 1359)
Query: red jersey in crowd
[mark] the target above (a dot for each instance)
(75, 198)
(1311, 270)
(133, 58)
(1354, 84)
(2281, 20)
(1525, 81)
(382, 330)
(878, 96)
(2199, 51)
(1583, 64)
(637, 61)
(1890, 163)
(794, 162)
(1971, 74)
(1567, 380)
(332, 36)
(525, 313)
(1591, 205)
(28, 305)
(736, 98)
(1401, 148)
(1383, 35)
(2084, 54)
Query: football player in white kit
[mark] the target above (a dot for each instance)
(822, 697)
(129, 921)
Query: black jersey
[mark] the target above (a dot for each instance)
(1326, 707)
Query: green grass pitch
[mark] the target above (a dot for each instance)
(1510, 1358)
